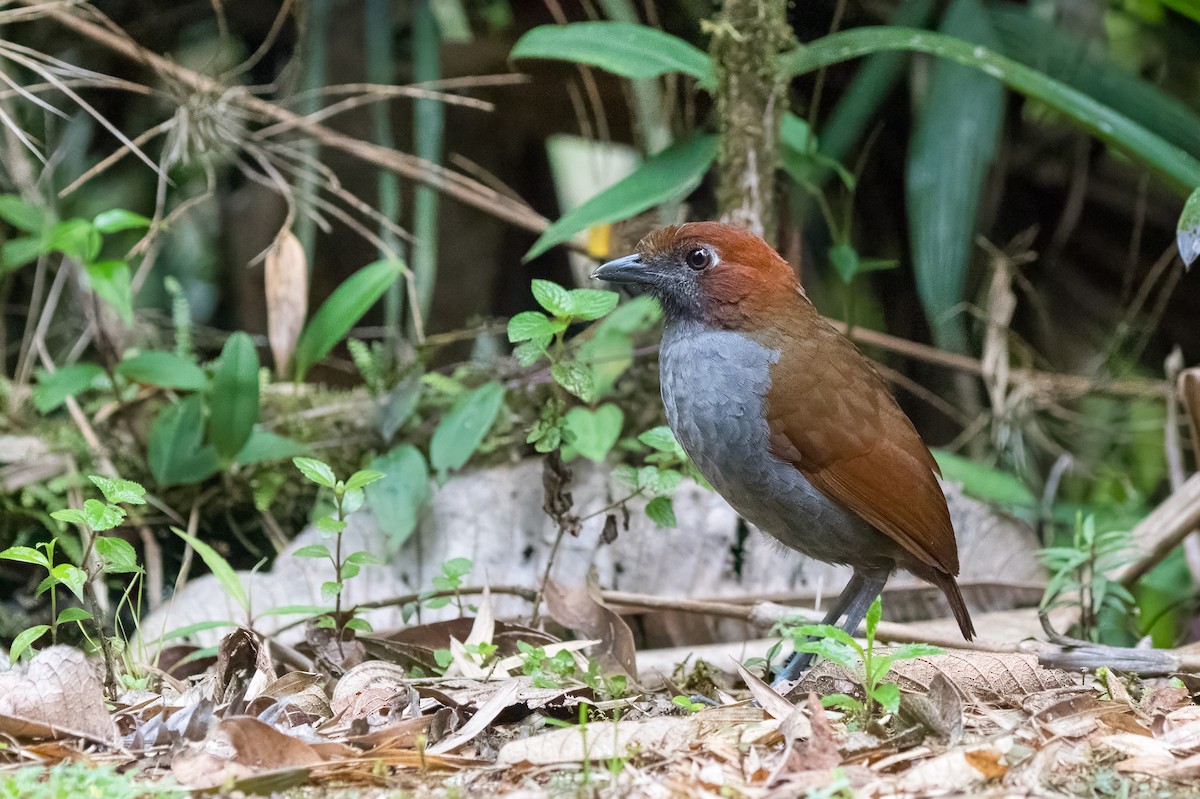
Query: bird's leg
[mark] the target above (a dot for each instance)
(854, 601)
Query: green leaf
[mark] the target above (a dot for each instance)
(73, 615)
(330, 589)
(20, 251)
(457, 567)
(660, 438)
(112, 282)
(462, 429)
(671, 174)
(528, 353)
(22, 215)
(1188, 232)
(117, 556)
(226, 576)
(661, 511)
(910, 651)
(984, 481)
(824, 631)
(345, 306)
(78, 239)
(589, 304)
(888, 696)
(529, 325)
(363, 559)
(72, 577)
(233, 400)
(874, 614)
(29, 554)
(330, 526)
(575, 379)
(25, 639)
(54, 389)
(164, 369)
(316, 471)
(101, 516)
(116, 490)
(845, 260)
(264, 445)
(656, 481)
(949, 155)
(833, 651)
(623, 48)
(396, 500)
(595, 431)
(118, 219)
(176, 453)
(363, 478)
(844, 701)
(312, 551)
(553, 297)
(70, 516)
(1182, 171)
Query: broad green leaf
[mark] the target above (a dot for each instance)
(66, 574)
(529, 325)
(78, 239)
(589, 304)
(101, 516)
(330, 589)
(553, 297)
(363, 478)
(949, 155)
(661, 511)
(263, 445)
(888, 696)
(396, 500)
(1188, 233)
(70, 516)
(658, 482)
(623, 48)
(660, 438)
(312, 551)
(177, 454)
(119, 219)
(19, 251)
(671, 174)
(1181, 171)
(27, 554)
(112, 282)
(983, 481)
(164, 369)
(226, 576)
(116, 490)
(233, 400)
(528, 353)
(461, 430)
(73, 615)
(317, 471)
(362, 558)
(345, 306)
(844, 701)
(574, 378)
(117, 556)
(54, 389)
(22, 215)
(25, 639)
(330, 526)
(607, 355)
(594, 432)
(824, 631)
(831, 650)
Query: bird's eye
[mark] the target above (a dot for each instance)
(699, 259)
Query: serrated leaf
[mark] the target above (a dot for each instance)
(118, 219)
(117, 556)
(669, 175)
(661, 511)
(888, 696)
(53, 389)
(233, 401)
(528, 353)
(163, 369)
(589, 304)
(623, 48)
(553, 297)
(462, 429)
(529, 325)
(102, 516)
(317, 471)
(220, 568)
(575, 379)
(116, 490)
(342, 310)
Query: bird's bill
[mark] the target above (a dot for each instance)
(630, 269)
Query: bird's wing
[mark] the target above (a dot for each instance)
(832, 416)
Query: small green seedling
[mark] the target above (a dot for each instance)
(835, 644)
(347, 497)
(687, 704)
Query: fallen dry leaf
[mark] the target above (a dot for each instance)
(578, 609)
(57, 694)
(286, 280)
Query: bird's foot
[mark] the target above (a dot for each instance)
(795, 666)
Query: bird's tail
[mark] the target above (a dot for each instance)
(954, 596)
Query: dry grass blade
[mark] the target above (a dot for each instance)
(487, 712)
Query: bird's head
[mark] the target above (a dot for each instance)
(708, 272)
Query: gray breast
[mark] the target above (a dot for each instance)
(713, 388)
